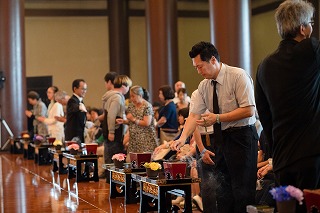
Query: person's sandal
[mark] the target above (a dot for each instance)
(177, 200)
(198, 202)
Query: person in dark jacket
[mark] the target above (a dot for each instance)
(76, 112)
(288, 98)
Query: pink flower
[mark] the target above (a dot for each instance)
(295, 193)
(119, 157)
(73, 146)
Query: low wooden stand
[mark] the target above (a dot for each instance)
(161, 190)
(123, 178)
(41, 154)
(28, 149)
(17, 146)
(74, 167)
(57, 164)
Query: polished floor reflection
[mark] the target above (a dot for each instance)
(27, 187)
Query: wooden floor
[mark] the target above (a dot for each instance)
(27, 187)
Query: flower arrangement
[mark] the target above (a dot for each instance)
(73, 146)
(119, 157)
(38, 139)
(152, 165)
(57, 143)
(284, 193)
(25, 135)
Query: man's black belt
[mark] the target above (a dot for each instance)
(232, 129)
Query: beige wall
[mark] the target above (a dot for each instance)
(190, 31)
(77, 47)
(68, 48)
(265, 38)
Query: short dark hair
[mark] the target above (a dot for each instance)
(55, 89)
(184, 112)
(33, 95)
(206, 51)
(183, 90)
(110, 76)
(76, 83)
(146, 95)
(167, 92)
(98, 111)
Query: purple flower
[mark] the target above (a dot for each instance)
(39, 138)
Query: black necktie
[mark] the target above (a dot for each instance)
(217, 136)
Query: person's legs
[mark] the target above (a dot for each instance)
(113, 147)
(100, 152)
(107, 154)
(195, 187)
(240, 155)
(225, 199)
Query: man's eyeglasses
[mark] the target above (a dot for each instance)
(311, 22)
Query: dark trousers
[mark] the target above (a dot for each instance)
(236, 169)
(113, 147)
(304, 174)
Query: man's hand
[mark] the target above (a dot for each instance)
(82, 107)
(61, 119)
(111, 137)
(130, 117)
(207, 119)
(264, 170)
(206, 158)
(41, 119)
(177, 144)
(119, 121)
(28, 113)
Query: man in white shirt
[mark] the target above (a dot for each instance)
(177, 86)
(229, 162)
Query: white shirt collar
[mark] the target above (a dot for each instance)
(80, 98)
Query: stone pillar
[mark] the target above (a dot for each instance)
(162, 44)
(12, 63)
(119, 36)
(230, 31)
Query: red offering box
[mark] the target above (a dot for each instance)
(312, 198)
(51, 140)
(91, 148)
(139, 159)
(175, 170)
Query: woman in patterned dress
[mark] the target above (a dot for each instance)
(140, 118)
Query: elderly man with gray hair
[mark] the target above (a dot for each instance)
(288, 98)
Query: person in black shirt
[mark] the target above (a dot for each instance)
(288, 98)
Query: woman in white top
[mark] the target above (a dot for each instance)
(55, 128)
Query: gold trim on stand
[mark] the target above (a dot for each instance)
(118, 177)
(162, 182)
(196, 180)
(150, 188)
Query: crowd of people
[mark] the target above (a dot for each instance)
(217, 125)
